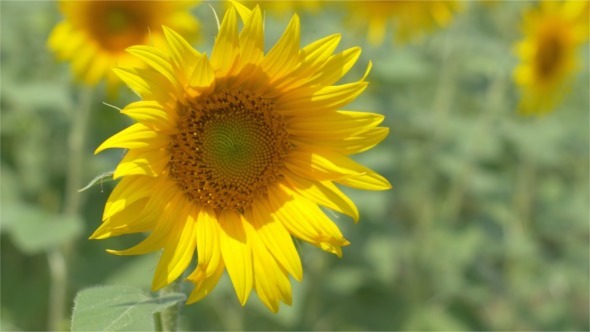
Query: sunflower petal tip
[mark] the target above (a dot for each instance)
(94, 236)
(369, 67)
(158, 283)
(98, 150)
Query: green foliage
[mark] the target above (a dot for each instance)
(115, 308)
(34, 231)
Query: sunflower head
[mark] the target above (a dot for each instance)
(232, 156)
(95, 34)
(548, 54)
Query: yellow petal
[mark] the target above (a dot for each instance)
(284, 55)
(236, 253)
(179, 248)
(124, 222)
(276, 238)
(244, 12)
(305, 220)
(318, 52)
(313, 57)
(183, 54)
(252, 39)
(147, 83)
(368, 181)
(160, 234)
(204, 284)
(326, 194)
(270, 281)
(226, 49)
(313, 163)
(145, 162)
(151, 114)
(81, 64)
(338, 125)
(336, 67)
(360, 142)
(203, 77)
(309, 100)
(208, 249)
(156, 59)
(136, 136)
(127, 191)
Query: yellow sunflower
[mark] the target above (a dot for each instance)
(95, 34)
(410, 18)
(548, 55)
(235, 153)
(285, 7)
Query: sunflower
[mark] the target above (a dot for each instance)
(548, 54)
(410, 18)
(285, 7)
(95, 34)
(234, 154)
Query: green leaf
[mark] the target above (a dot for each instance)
(34, 230)
(113, 308)
(134, 272)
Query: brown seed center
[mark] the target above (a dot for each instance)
(230, 147)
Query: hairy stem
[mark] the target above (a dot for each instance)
(167, 320)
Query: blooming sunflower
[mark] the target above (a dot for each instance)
(410, 18)
(548, 54)
(234, 154)
(95, 34)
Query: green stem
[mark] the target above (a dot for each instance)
(58, 272)
(76, 143)
(57, 258)
(167, 320)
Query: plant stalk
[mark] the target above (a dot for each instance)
(167, 319)
(57, 258)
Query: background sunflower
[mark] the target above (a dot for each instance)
(94, 34)
(486, 227)
(549, 53)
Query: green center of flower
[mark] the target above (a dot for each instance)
(117, 20)
(229, 148)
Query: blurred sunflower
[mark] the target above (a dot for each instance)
(285, 7)
(410, 18)
(234, 154)
(548, 54)
(95, 34)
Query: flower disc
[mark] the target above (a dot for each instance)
(229, 148)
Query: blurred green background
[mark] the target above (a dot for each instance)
(486, 228)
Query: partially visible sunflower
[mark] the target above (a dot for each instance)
(235, 153)
(285, 7)
(410, 18)
(94, 34)
(548, 54)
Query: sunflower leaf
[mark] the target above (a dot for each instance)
(33, 230)
(116, 308)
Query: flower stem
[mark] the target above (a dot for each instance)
(167, 319)
(57, 258)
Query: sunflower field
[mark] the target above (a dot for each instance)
(295, 165)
